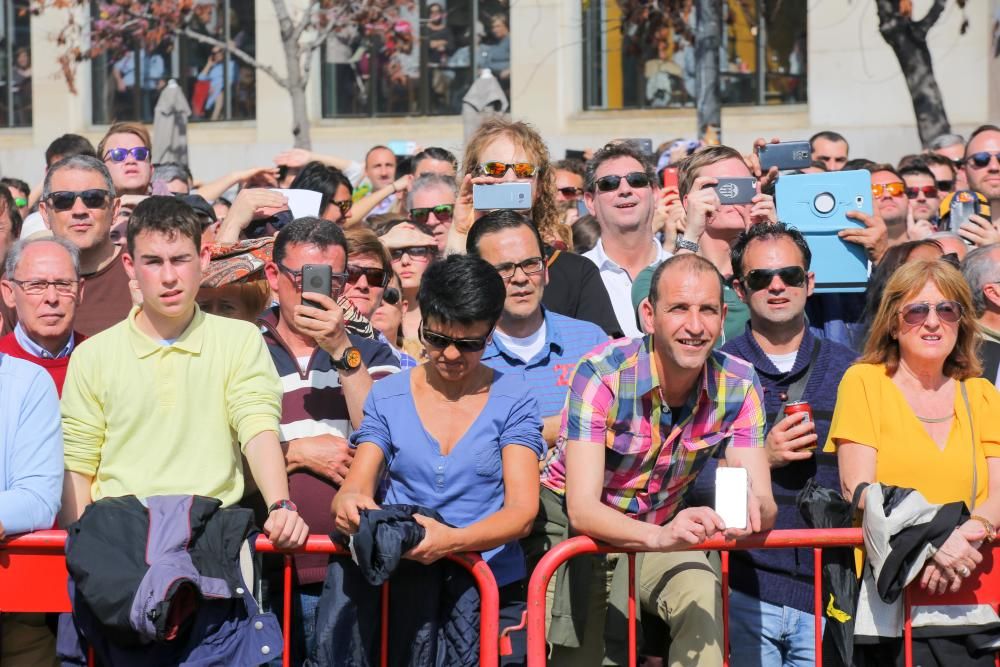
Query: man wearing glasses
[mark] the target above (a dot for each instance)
(889, 193)
(541, 345)
(431, 202)
(125, 150)
(924, 198)
(78, 204)
(619, 192)
(326, 374)
(42, 283)
(982, 167)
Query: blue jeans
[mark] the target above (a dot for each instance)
(305, 604)
(767, 635)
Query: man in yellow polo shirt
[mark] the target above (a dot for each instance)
(164, 402)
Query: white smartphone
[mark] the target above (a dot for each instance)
(511, 195)
(731, 496)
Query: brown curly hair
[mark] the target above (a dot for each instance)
(544, 212)
(883, 348)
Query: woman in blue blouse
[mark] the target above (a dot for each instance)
(452, 434)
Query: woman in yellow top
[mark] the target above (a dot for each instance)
(901, 418)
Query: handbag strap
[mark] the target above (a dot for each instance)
(972, 432)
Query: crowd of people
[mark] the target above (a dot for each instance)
(182, 360)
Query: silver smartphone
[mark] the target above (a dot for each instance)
(513, 195)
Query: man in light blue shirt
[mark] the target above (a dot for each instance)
(543, 346)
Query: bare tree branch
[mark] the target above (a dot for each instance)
(239, 53)
(923, 26)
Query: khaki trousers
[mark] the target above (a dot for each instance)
(25, 641)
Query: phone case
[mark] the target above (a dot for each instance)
(513, 195)
(737, 190)
(731, 496)
(816, 205)
(786, 155)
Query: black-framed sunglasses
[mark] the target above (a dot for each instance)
(442, 212)
(981, 159)
(376, 277)
(441, 342)
(610, 183)
(420, 252)
(944, 186)
(758, 279)
(63, 200)
(140, 153)
(916, 313)
(570, 192)
(344, 205)
(337, 280)
(530, 267)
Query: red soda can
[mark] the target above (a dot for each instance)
(799, 406)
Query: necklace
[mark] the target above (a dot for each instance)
(934, 420)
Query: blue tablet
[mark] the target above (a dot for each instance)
(816, 205)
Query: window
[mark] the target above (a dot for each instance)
(417, 59)
(15, 63)
(218, 85)
(640, 53)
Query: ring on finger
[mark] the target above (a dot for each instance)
(964, 572)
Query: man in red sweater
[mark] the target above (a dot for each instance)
(42, 283)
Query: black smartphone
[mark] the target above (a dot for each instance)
(316, 278)
(786, 155)
(739, 190)
(572, 154)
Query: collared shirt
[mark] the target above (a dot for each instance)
(548, 372)
(619, 284)
(31, 347)
(652, 455)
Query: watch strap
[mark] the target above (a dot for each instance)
(681, 243)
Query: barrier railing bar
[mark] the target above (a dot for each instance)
(384, 640)
(818, 603)
(724, 566)
(633, 642)
(286, 604)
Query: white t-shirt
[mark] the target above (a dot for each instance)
(783, 362)
(524, 349)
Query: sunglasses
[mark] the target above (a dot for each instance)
(140, 153)
(929, 191)
(500, 169)
(442, 342)
(63, 200)
(442, 212)
(758, 279)
(947, 311)
(981, 159)
(20, 202)
(635, 179)
(570, 192)
(530, 266)
(391, 296)
(344, 205)
(945, 186)
(420, 252)
(893, 189)
(376, 277)
(337, 280)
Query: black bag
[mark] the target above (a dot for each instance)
(824, 508)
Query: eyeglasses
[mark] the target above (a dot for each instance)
(981, 159)
(500, 169)
(916, 313)
(376, 277)
(530, 266)
(442, 342)
(442, 212)
(391, 296)
(945, 186)
(929, 191)
(20, 202)
(63, 200)
(344, 205)
(570, 193)
(893, 189)
(337, 280)
(140, 153)
(635, 179)
(758, 279)
(418, 252)
(39, 287)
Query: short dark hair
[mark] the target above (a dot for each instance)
(7, 205)
(172, 171)
(617, 149)
(917, 166)
(318, 177)
(939, 160)
(461, 289)
(816, 164)
(308, 230)
(694, 263)
(860, 163)
(12, 182)
(829, 135)
(572, 166)
(434, 153)
(496, 221)
(163, 215)
(68, 145)
(586, 233)
(976, 132)
(883, 166)
(766, 231)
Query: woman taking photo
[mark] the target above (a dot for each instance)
(913, 413)
(453, 435)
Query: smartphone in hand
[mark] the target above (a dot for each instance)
(740, 190)
(786, 155)
(511, 195)
(731, 485)
(316, 278)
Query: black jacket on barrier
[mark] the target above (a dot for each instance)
(433, 610)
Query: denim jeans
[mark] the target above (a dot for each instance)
(767, 635)
(305, 603)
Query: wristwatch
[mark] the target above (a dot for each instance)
(683, 244)
(283, 505)
(350, 360)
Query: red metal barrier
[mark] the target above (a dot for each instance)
(983, 587)
(33, 578)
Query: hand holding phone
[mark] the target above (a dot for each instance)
(785, 155)
(316, 278)
(732, 191)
